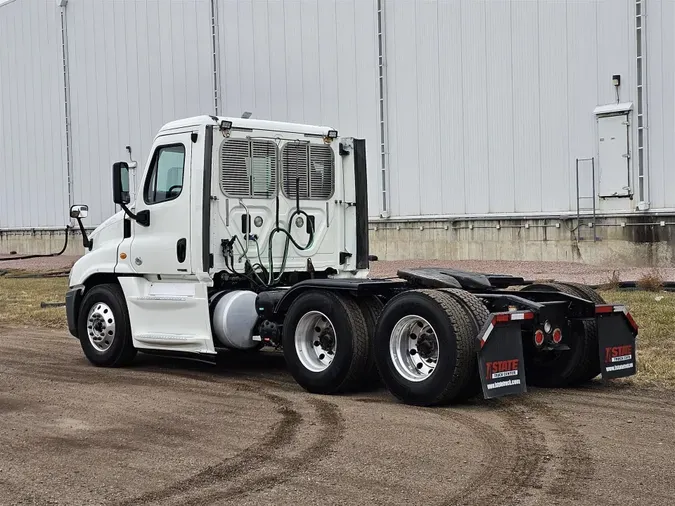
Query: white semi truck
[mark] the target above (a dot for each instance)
(248, 233)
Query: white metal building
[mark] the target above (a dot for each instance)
(469, 107)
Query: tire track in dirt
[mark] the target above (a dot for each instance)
(571, 463)
(627, 401)
(331, 430)
(511, 458)
(242, 463)
(633, 406)
(199, 488)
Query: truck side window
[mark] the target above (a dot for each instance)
(165, 180)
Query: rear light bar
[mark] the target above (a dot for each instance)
(616, 308)
(507, 317)
(504, 318)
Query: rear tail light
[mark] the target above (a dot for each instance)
(557, 336)
(538, 338)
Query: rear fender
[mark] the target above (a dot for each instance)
(501, 363)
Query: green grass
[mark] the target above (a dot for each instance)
(654, 313)
(20, 301)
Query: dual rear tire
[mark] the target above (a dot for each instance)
(422, 343)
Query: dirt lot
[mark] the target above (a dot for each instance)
(167, 431)
(241, 432)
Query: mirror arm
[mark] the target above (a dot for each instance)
(86, 242)
(142, 217)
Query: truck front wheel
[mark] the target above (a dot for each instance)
(103, 327)
(325, 342)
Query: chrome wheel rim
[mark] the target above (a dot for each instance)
(101, 326)
(315, 341)
(413, 348)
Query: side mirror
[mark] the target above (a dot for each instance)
(120, 183)
(79, 211)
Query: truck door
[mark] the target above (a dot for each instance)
(168, 305)
(163, 246)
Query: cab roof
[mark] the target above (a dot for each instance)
(253, 124)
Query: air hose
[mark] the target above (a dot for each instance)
(26, 257)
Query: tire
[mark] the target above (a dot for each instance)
(586, 292)
(479, 315)
(591, 329)
(452, 326)
(98, 303)
(348, 366)
(577, 365)
(371, 308)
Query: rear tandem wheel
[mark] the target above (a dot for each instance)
(425, 348)
(577, 365)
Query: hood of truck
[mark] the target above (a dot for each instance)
(102, 258)
(107, 230)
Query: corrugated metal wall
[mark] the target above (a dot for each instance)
(488, 101)
(308, 61)
(660, 49)
(134, 65)
(33, 180)
(491, 101)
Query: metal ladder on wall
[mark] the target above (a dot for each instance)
(591, 223)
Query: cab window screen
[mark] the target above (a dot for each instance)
(309, 170)
(248, 168)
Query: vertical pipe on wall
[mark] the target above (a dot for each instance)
(214, 55)
(384, 173)
(66, 98)
(642, 130)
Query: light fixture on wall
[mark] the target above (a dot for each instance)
(616, 81)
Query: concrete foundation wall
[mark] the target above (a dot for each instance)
(623, 242)
(635, 241)
(40, 242)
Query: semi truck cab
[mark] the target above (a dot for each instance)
(209, 197)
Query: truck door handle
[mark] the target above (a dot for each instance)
(181, 250)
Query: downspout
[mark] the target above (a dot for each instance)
(66, 98)
(214, 55)
(382, 89)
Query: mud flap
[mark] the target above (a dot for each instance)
(616, 338)
(500, 358)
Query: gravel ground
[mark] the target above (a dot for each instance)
(561, 271)
(63, 262)
(242, 432)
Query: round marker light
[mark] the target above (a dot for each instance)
(538, 338)
(299, 222)
(547, 327)
(258, 221)
(557, 336)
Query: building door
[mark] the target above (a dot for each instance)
(613, 156)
